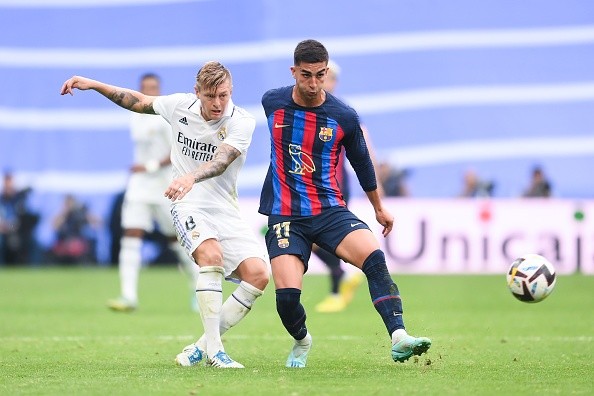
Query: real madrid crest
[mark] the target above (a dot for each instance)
(325, 134)
(222, 134)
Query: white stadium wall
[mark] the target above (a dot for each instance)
(457, 236)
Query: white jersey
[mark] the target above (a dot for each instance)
(195, 140)
(151, 137)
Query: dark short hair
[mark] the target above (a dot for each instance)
(310, 51)
(154, 76)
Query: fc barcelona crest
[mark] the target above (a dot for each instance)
(283, 243)
(325, 134)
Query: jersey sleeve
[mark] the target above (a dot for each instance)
(266, 102)
(165, 105)
(240, 131)
(358, 156)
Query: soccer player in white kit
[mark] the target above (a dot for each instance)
(210, 140)
(144, 203)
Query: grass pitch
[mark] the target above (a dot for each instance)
(58, 338)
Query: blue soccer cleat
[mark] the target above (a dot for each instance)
(409, 346)
(190, 356)
(222, 360)
(298, 356)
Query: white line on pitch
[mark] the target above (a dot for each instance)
(187, 337)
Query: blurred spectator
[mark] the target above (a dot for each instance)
(475, 187)
(539, 185)
(392, 180)
(17, 224)
(75, 240)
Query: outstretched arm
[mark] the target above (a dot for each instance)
(223, 157)
(123, 97)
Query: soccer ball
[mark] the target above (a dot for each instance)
(531, 278)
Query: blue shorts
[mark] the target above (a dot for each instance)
(296, 234)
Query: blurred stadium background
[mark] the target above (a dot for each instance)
(498, 86)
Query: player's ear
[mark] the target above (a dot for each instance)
(293, 71)
(197, 91)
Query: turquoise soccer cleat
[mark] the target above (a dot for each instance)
(298, 356)
(409, 346)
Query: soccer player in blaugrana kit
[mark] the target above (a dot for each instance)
(211, 137)
(301, 197)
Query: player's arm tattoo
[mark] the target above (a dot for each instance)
(129, 100)
(223, 157)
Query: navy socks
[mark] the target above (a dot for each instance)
(291, 312)
(384, 292)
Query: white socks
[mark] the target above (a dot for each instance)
(302, 346)
(129, 267)
(235, 308)
(209, 293)
(398, 335)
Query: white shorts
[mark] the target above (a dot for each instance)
(237, 239)
(144, 215)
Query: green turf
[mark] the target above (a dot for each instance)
(57, 337)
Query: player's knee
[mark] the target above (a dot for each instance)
(377, 257)
(208, 257)
(261, 274)
(291, 312)
(262, 279)
(259, 279)
(134, 232)
(287, 300)
(255, 272)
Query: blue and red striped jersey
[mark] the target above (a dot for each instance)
(306, 143)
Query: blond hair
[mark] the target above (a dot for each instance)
(211, 75)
